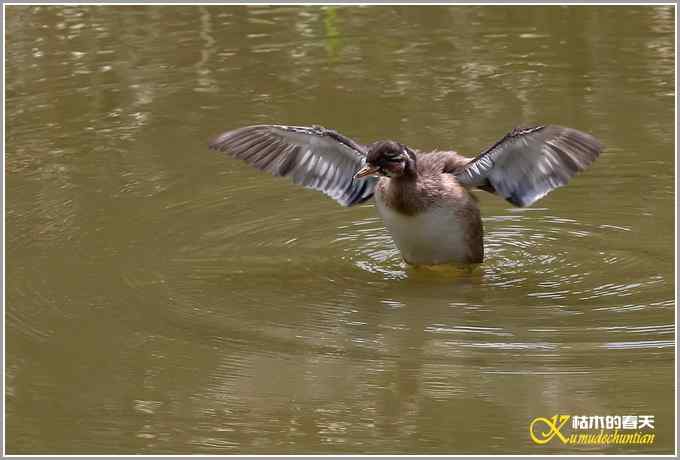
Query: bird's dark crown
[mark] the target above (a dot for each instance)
(383, 152)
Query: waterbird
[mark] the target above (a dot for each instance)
(424, 198)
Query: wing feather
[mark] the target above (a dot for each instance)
(314, 157)
(528, 163)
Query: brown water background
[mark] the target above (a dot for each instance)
(163, 298)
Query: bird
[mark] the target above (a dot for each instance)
(424, 198)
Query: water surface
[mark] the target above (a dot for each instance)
(163, 298)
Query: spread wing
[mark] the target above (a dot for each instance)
(315, 157)
(530, 162)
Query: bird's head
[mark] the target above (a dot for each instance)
(389, 159)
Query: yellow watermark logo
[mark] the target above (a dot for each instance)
(609, 429)
(548, 428)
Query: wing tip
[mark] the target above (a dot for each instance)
(216, 142)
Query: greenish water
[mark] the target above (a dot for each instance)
(163, 298)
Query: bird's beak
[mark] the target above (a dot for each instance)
(367, 170)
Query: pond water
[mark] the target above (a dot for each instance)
(164, 298)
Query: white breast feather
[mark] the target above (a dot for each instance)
(434, 236)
